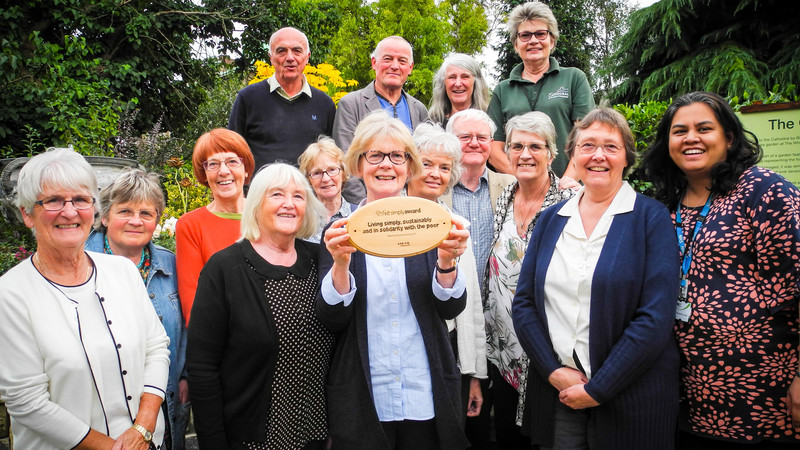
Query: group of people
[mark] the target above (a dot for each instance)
(563, 310)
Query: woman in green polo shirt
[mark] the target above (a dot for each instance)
(538, 84)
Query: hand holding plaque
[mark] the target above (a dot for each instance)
(399, 226)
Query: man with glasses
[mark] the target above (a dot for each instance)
(474, 197)
(539, 84)
(280, 116)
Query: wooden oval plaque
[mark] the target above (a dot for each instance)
(398, 226)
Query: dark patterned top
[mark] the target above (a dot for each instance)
(739, 348)
(297, 407)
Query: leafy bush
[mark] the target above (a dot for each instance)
(16, 244)
(643, 119)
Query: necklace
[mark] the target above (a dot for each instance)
(41, 267)
(525, 218)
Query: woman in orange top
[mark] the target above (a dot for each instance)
(222, 161)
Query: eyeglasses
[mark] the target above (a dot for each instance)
(541, 35)
(145, 215)
(332, 172)
(467, 138)
(590, 147)
(212, 165)
(376, 157)
(519, 147)
(58, 203)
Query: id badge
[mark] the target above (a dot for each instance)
(683, 311)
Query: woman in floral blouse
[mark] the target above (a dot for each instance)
(531, 148)
(737, 318)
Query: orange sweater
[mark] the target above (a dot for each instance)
(198, 235)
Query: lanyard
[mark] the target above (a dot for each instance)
(686, 251)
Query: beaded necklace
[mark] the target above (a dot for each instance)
(144, 260)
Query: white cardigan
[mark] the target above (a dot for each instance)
(45, 379)
(471, 325)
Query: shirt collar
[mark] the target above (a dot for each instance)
(516, 72)
(623, 202)
(274, 85)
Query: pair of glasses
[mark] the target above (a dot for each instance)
(58, 203)
(376, 157)
(213, 165)
(540, 35)
(332, 172)
(145, 215)
(519, 147)
(590, 147)
(467, 138)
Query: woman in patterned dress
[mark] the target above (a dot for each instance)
(531, 147)
(257, 356)
(737, 321)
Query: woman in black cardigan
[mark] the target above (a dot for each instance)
(257, 356)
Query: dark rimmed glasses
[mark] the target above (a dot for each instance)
(540, 35)
(332, 172)
(376, 157)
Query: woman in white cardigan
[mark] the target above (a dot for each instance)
(440, 153)
(84, 359)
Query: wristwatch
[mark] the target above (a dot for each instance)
(146, 434)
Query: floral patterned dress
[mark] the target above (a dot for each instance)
(500, 284)
(739, 348)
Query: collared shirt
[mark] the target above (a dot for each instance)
(398, 361)
(568, 283)
(273, 85)
(476, 207)
(397, 110)
(344, 211)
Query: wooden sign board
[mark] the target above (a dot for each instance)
(399, 226)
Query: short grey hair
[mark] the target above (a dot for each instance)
(476, 114)
(274, 176)
(131, 186)
(274, 35)
(440, 102)
(59, 168)
(433, 140)
(532, 11)
(535, 122)
(375, 52)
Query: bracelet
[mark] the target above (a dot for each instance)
(451, 269)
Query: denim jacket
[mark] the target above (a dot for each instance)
(162, 287)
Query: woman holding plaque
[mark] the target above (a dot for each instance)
(739, 229)
(531, 148)
(440, 153)
(394, 382)
(595, 308)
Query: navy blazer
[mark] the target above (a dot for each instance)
(352, 420)
(632, 347)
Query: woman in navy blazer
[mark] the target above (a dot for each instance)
(393, 382)
(595, 305)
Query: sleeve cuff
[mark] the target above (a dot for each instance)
(447, 293)
(333, 297)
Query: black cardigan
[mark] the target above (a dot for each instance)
(232, 347)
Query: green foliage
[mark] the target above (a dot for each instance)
(777, 94)
(318, 19)
(56, 96)
(643, 118)
(16, 244)
(215, 108)
(68, 67)
(184, 192)
(678, 46)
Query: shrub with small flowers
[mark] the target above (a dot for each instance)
(324, 77)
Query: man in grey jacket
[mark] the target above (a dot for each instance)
(392, 61)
